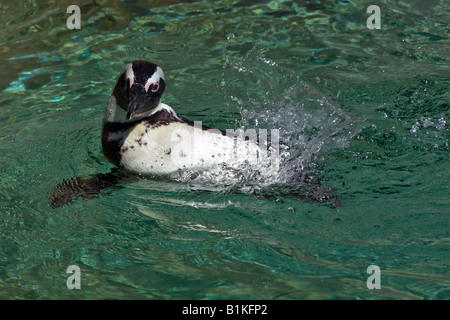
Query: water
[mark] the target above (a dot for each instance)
(364, 111)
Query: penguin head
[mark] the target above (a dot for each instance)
(137, 91)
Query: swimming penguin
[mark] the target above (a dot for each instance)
(141, 135)
(145, 136)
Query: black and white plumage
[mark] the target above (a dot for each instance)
(146, 136)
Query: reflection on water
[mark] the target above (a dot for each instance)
(365, 110)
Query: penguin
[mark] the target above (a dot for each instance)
(145, 136)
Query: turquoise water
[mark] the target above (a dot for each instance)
(364, 111)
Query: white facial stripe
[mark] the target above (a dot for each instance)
(129, 74)
(154, 79)
(154, 88)
(161, 73)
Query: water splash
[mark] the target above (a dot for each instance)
(271, 97)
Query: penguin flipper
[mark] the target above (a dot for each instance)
(306, 188)
(79, 187)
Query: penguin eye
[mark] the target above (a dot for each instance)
(154, 86)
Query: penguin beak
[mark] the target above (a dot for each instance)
(140, 101)
(132, 109)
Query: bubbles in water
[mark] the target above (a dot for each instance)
(427, 122)
(270, 96)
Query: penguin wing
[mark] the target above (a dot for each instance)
(79, 187)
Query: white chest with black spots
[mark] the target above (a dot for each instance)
(177, 146)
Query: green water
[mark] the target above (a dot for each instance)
(383, 94)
